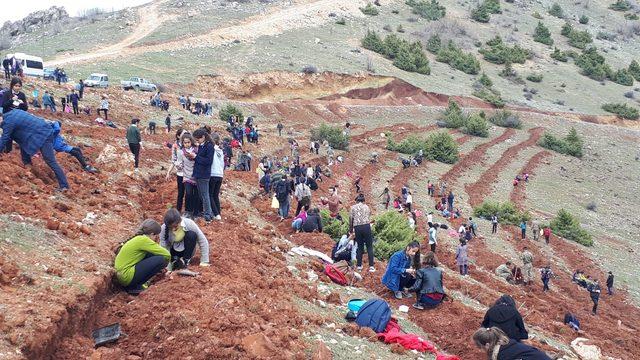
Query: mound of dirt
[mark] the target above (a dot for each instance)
(275, 86)
(400, 93)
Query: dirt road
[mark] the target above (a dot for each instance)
(301, 14)
(149, 21)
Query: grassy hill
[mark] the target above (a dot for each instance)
(562, 88)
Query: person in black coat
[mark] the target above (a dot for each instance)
(495, 342)
(6, 64)
(314, 222)
(610, 283)
(14, 98)
(504, 315)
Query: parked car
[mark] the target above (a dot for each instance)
(48, 74)
(97, 80)
(138, 84)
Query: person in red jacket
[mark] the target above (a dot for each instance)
(546, 232)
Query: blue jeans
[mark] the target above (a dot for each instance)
(49, 157)
(203, 190)
(284, 208)
(296, 224)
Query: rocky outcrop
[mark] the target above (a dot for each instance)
(34, 20)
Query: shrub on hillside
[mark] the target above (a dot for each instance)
(411, 58)
(476, 125)
(622, 110)
(535, 77)
(400, 29)
(453, 117)
(631, 16)
(491, 96)
(434, 44)
(485, 81)
(584, 19)
(579, 39)
(568, 227)
(566, 29)
(498, 52)
(228, 110)
(542, 34)
(593, 65)
(508, 71)
(484, 10)
(634, 70)
(410, 145)
(559, 55)
(341, 21)
(623, 77)
(370, 10)
(556, 10)
(441, 147)
(570, 145)
(458, 59)
(430, 10)
(373, 42)
(507, 212)
(620, 5)
(333, 227)
(507, 119)
(406, 56)
(392, 233)
(332, 134)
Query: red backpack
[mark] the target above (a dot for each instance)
(335, 275)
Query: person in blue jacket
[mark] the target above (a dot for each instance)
(400, 274)
(33, 134)
(202, 169)
(60, 145)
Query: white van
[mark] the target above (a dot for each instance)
(31, 65)
(97, 80)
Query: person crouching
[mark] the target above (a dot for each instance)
(179, 235)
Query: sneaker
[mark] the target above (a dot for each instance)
(418, 306)
(398, 295)
(372, 269)
(407, 294)
(135, 170)
(90, 169)
(62, 190)
(218, 217)
(359, 268)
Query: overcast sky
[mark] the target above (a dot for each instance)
(16, 10)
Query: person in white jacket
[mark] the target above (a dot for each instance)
(180, 235)
(217, 173)
(346, 249)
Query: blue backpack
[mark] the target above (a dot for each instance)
(374, 314)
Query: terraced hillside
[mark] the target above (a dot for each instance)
(260, 299)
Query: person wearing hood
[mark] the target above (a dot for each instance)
(499, 347)
(504, 315)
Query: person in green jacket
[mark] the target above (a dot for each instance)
(135, 141)
(140, 258)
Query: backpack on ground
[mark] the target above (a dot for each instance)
(374, 314)
(335, 275)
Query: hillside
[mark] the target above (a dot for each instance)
(260, 299)
(221, 37)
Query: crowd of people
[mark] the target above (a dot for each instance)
(198, 162)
